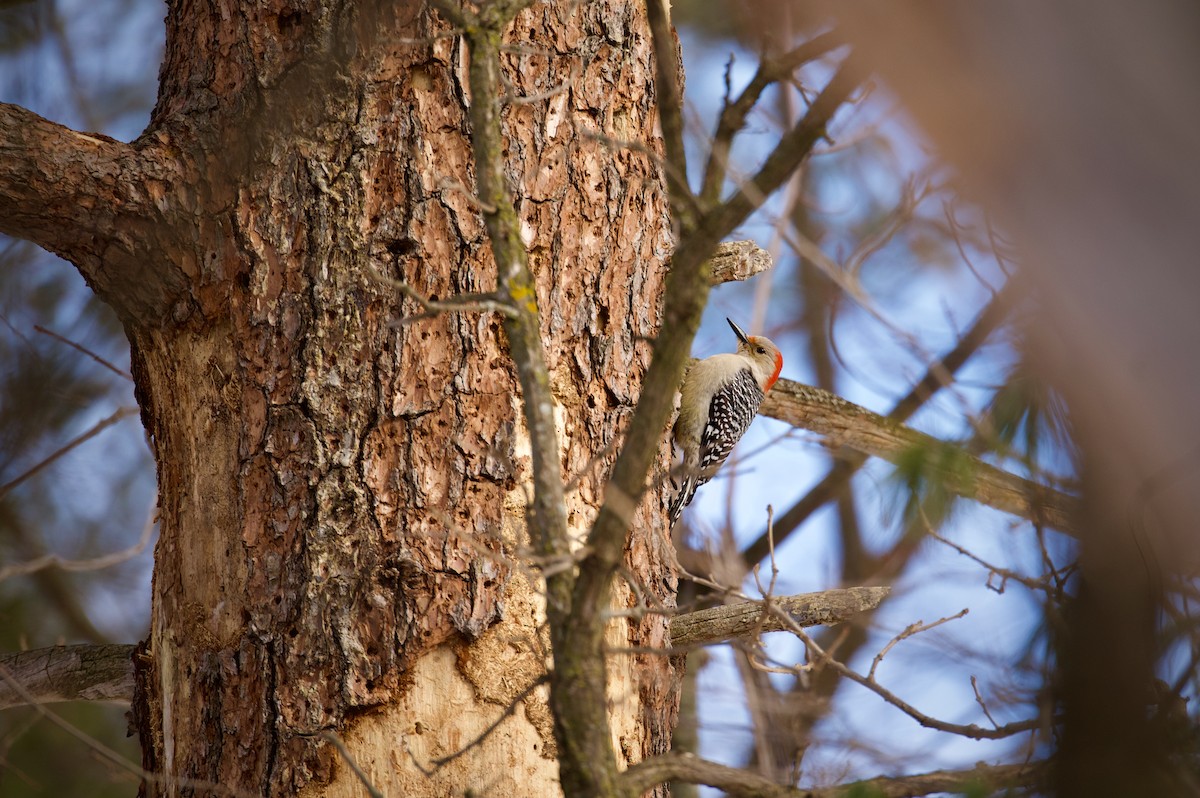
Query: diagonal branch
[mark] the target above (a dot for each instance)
(96, 202)
(685, 296)
(734, 114)
(846, 424)
(738, 782)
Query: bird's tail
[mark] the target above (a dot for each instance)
(682, 498)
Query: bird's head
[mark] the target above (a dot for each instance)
(767, 359)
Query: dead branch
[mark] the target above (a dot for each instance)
(937, 376)
(738, 260)
(734, 781)
(846, 424)
(68, 673)
(745, 618)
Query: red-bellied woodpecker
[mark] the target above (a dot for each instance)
(719, 399)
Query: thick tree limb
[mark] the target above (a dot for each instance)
(96, 202)
(69, 673)
(846, 424)
(729, 621)
(734, 781)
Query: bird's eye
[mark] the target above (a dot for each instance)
(762, 351)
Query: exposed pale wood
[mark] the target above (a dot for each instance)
(729, 621)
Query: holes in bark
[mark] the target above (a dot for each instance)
(288, 20)
(293, 632)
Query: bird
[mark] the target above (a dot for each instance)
(719, 398)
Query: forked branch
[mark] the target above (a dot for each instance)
(97, 202)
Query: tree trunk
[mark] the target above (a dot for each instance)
(343, 478)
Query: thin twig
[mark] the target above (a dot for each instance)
(979, 700)
(362, 777)
(508, 711)
(93, 564)
(972, 731)
(463, 303)
(80, 347)
(909, 631)
(96, 429)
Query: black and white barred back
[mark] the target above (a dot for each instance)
(730, 413)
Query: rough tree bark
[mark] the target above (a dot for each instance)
(342, 476)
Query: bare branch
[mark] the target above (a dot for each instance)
(69, 673)
(912, 629)
(795, 146)
(337, 743)
(462, 303)
(821, 658)
(729, 621)
(733, 117)
(91, 564)
(81, 348)
(844, 423)
(96, 429)
(669, 102)
(979, 700)
(734, 781)
(505, 715)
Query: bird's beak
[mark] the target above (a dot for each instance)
(737, 331)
